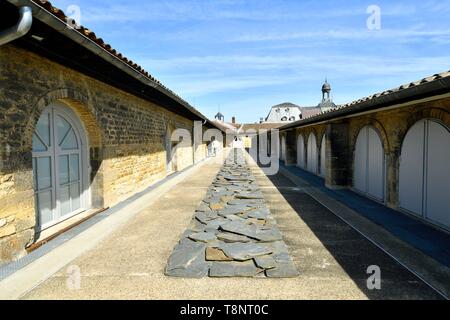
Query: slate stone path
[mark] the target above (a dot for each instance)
(232, 233)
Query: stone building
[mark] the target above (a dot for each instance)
(393, 147)
(289, 112)
(81, 126)
(284, 112)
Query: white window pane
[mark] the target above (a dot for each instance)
(45, 207)
(63, 169)
(74, 168)
(44, 173)
(62, 128)
(38, 146)
(75, 195)
(43, 128)
(70, 141)
(64, 200)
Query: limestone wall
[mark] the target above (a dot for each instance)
(392, 126)
(126, 135)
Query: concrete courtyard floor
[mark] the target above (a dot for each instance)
(332, 258)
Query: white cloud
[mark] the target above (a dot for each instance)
(222, 74)
(345, 34)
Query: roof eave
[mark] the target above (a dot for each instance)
(428, 89)
(60, 26)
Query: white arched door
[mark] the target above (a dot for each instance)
(312, 153)
(300, 151)
(424, 173)
(369, 166)
(59, 166)
(323, 154)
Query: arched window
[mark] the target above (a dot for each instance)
(284, 119)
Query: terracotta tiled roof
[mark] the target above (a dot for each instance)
(100, 42)
(398, 89)
(408, 86)
(310, 112)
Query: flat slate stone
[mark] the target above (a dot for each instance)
(203, 237)
(234, 210)
(201, 217)
(245, 251)
(236, 178)
(249, 196)
(239, 228)
(232, 238)
(259, 222)
(216, 224)
(187, 233)
(280, 250)
(203, 207)
(261, 213)
(236, 218)
(251, 202)
(196, 226)
(268, 235)
(234, 269)
(188, 260)
(265, 262)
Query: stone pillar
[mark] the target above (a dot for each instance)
(338, 156)
(291, 148)
(392, 178)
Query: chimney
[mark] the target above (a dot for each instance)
(233, 120)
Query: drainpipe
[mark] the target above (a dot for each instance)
(20, 29)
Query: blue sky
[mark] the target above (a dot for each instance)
(245, 56)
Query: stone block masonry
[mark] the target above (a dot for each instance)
(232, 233)
(126, 139)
